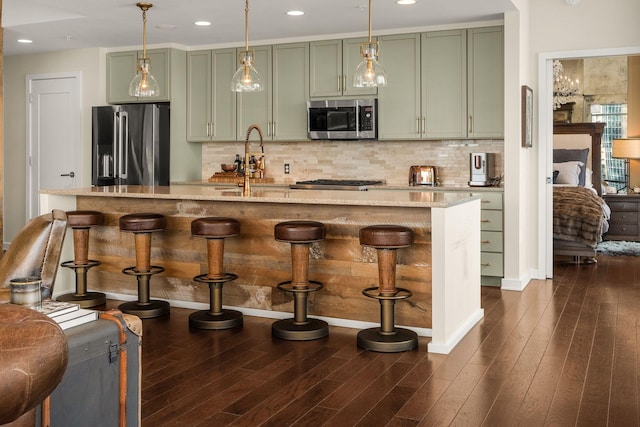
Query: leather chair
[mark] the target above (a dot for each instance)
(35, 251)
(33, 359)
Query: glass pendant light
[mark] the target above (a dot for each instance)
(246, 79)
(144, 84)
(369, 72)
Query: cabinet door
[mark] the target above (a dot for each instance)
(350, 59)
(444, 84)
(290, 91)
(199, 93)
(255, 107)
(223, 119)
(486, 82)
(325, 68)
(121, 68)
(161, 70)
(399, 114)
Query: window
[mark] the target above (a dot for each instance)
(615, 116)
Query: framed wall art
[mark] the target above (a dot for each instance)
(527, 117)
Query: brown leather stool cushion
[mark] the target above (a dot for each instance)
(299, 231)
(33, 358)
(386, 236)
(215, 227)
(143, 222)
(82, 219)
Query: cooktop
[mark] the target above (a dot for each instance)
(336, 184)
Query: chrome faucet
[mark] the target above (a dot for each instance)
(248, 171)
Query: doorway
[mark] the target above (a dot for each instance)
(545, 132)
(53, 135)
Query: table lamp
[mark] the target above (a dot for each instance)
(626, 148)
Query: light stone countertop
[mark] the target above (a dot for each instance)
(375, 187)
(278, 194)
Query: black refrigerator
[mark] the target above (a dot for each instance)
(130, 144)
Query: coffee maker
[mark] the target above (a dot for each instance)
(481, 169)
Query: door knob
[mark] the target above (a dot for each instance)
(70, 174)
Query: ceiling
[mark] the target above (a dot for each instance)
(72, 24)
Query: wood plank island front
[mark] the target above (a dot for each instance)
(442, 268)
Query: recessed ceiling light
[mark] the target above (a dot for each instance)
(405, 1)
(295, 13)
(26, 41)
(202, 23)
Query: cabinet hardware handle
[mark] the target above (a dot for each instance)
(485, 241)
(486, 265)
(273, 125)
(339, 82)
(213, 129)
(470, 124)
(418, 125)
(344, 82)
(424, 125)
(484, 220)
(70, 174)
(484, 201)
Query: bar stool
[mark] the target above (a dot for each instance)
(387, 239)
(142, 225)
(80, 222)
(215, 230)
(300, 328)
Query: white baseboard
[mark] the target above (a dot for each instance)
(269, 314)
(456, 337)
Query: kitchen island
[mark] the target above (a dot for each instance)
(442, 268)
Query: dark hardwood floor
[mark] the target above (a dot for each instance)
(564, 352)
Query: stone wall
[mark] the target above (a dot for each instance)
(388, 160)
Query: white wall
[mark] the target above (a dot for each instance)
(591, 28)
(88, 62)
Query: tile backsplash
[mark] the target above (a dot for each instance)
(387, 160)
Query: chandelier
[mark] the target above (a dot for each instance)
(565, 90)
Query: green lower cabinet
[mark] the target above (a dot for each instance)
(491, 239)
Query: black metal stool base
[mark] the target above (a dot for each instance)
(89, 299)
(288, 329)
(203, 319)
(148, 310)
(400, 340)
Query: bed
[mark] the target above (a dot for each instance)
(580, 215)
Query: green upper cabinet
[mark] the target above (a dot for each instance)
(255, 107)
(211, 105)
(442, 85)
(399, 103)
(486, 82)
(121, 69)
(290, 91)
(280, 109)
(333, 63)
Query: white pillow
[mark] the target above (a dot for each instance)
(588, 182)
(568, 172)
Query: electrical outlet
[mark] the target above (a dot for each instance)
(287, 168)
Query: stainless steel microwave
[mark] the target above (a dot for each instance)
(342, 119)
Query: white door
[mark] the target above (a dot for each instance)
(53, 123)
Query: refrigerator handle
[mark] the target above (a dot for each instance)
(114, 145)
(124, 144)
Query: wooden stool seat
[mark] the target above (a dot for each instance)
(215, 227)
(142, 225)
(299, 231)
(301, 234)
(80, 222)
(386, 236)
(387, 239)
(215, 230)
(143, 222)
(80, 219)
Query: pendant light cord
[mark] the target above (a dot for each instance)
(246, 25)
(369, 21)
(144, 32)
